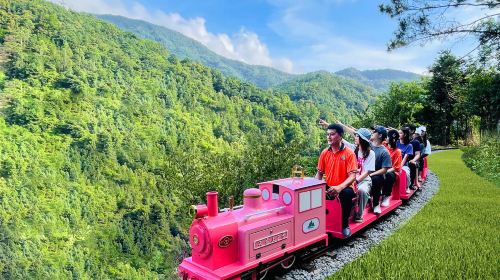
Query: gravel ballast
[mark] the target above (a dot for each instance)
(359, 244)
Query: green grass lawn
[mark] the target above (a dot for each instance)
(455, 236)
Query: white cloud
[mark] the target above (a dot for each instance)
(338, 53)
(325, 44)
(322, 46)
(469, 14)
(244, 46)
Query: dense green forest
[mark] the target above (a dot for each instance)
(335, 96)
(184, 47)
(106, 139)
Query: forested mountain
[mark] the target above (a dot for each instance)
(336, 97)
(378, 79)
(106, 139)
(184, 47)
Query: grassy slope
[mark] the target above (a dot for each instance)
(455, 236)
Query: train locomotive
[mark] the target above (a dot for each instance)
(279, 222)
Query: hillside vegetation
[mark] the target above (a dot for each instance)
(335, 96)
(460, 100)
(484, 159)
(379, 79)
(184, 47)
(105, 142)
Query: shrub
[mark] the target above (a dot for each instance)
(484, 159)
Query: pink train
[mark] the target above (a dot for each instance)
(280, 222)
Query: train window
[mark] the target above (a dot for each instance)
(316, 198)
(304, 201)
(310, 200)
(265, 194)
(287, 198)
(276, 191)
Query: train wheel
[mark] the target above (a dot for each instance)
(258, 275)
(286, 264)
(263, 274)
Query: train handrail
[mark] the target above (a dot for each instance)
(234, 208)
(277, 209)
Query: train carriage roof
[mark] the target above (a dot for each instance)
(295, 183)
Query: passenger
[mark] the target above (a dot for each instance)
(366, 165)
(420, 162)
(338, 163)
(395, 170)
(406, 149)
(382, 162)
(426, 151)
(427, 145)
(413, 159)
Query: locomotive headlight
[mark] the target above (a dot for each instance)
(198, 211)
(192, 211)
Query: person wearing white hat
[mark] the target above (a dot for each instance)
(427, 145)
(426, 149)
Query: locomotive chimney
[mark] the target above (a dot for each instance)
(212, 204)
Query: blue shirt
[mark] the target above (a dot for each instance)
(406, 149)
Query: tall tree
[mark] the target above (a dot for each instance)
(423, 21)
(444, 90)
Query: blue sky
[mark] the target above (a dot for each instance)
(293, 36)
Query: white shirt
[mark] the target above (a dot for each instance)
(368, 163)
(427, 150)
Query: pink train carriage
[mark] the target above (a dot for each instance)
(423, 173)
(334, 210)
(402, 180)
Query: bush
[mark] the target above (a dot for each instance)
(484, 159)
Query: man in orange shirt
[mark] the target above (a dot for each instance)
(339, 165)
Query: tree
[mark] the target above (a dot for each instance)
(423, 21)
(484, 97)
(402, 104)
(445, 89)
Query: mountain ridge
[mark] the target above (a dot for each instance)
(263, 76)
(379, 79)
